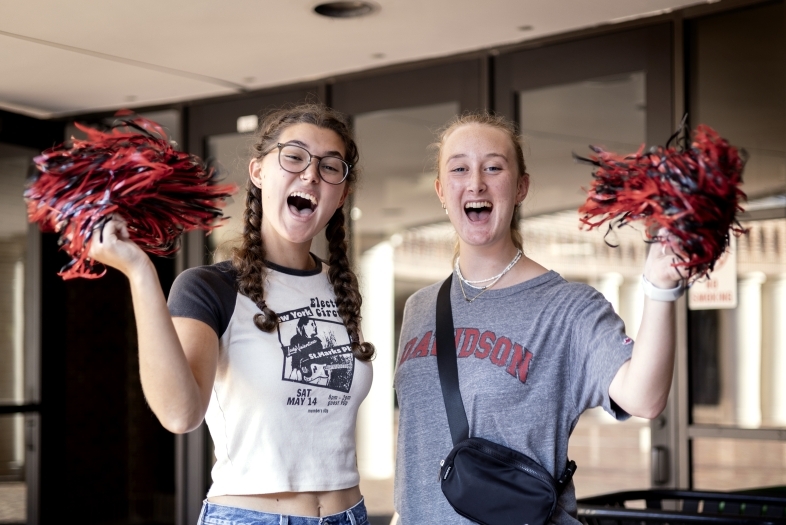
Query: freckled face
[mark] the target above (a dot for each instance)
(479, 183)
(295, 207)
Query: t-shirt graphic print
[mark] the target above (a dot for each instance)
(317, 349)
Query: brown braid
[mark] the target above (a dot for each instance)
(345, 285)
(249, 259)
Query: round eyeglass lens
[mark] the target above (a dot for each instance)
(295, 159)
(332, 169)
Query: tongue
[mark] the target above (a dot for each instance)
(478, 214)
(303, 212)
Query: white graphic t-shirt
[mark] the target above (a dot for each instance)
(284, 404)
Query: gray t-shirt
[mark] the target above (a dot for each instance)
(531, 358)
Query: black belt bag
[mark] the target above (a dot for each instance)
(483, 481)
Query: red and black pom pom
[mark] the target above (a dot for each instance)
(131, 170)
(692, 190)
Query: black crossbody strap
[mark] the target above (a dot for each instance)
(447, 366)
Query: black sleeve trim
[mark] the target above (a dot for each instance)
(207, 294)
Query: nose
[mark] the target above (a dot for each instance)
(311, 173)
(476, 181)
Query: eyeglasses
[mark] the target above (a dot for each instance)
(296, 159)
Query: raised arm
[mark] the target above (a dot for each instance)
(177, 357)
(641, 386)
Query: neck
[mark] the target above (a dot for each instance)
(480, 262)
(288, 254)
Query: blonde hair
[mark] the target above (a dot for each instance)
(485, 118)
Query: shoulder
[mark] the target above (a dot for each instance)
(425, 297)
(564, 293)
(205, 293)
(215, 276)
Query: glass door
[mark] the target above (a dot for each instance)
(565, 98)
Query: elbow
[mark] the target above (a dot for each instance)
(181, 424)
(649, 410)
(179, 427)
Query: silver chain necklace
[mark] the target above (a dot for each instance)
(494, 280)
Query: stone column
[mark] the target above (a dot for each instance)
(748, 351)
(609, 285)
(774, 352)
(375, 418)
(631, 305)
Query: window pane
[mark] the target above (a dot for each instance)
(231, 153)
(737, 79)
(14, 166)
(735, 464)
(13, 488)
(556, 122)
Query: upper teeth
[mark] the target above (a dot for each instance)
(305, 196)
(484, 204)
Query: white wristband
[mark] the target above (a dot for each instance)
(661, 294)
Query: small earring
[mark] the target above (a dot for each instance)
(445, 208)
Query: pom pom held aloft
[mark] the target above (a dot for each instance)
(131, 170)
(691, 190)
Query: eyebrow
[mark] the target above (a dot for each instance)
(463, 155)
(331, 153)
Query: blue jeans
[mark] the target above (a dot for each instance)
(213, 514)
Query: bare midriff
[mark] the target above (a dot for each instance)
(316, 504)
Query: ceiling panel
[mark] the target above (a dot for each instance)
(205, 47)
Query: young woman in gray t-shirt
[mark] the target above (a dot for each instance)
(534, 351)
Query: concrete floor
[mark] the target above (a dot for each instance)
(611, 456)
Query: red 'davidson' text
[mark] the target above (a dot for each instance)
(499, 351)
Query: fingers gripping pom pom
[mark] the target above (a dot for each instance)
(131, 170)
(693, 191)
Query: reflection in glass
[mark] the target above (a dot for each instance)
(231, 154)
(557, 121)
(397, 170)
(737, 80)
(736, 464)
(738, 356)
(13, 488)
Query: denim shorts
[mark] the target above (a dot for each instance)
(213, 514)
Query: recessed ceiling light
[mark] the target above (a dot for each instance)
(525, 28)
(130, 98)
(345, 9)
(378, 55)
(249, 80)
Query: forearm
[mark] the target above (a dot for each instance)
(642, 385)
(168, 381)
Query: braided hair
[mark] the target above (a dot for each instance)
(249, 258)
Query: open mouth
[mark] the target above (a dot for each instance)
(478, 211)
(301, 203)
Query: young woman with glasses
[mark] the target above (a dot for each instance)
(534, 351)
(230, 346)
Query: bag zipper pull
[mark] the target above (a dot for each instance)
(441, 464)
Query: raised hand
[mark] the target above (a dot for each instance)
(112, 246)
